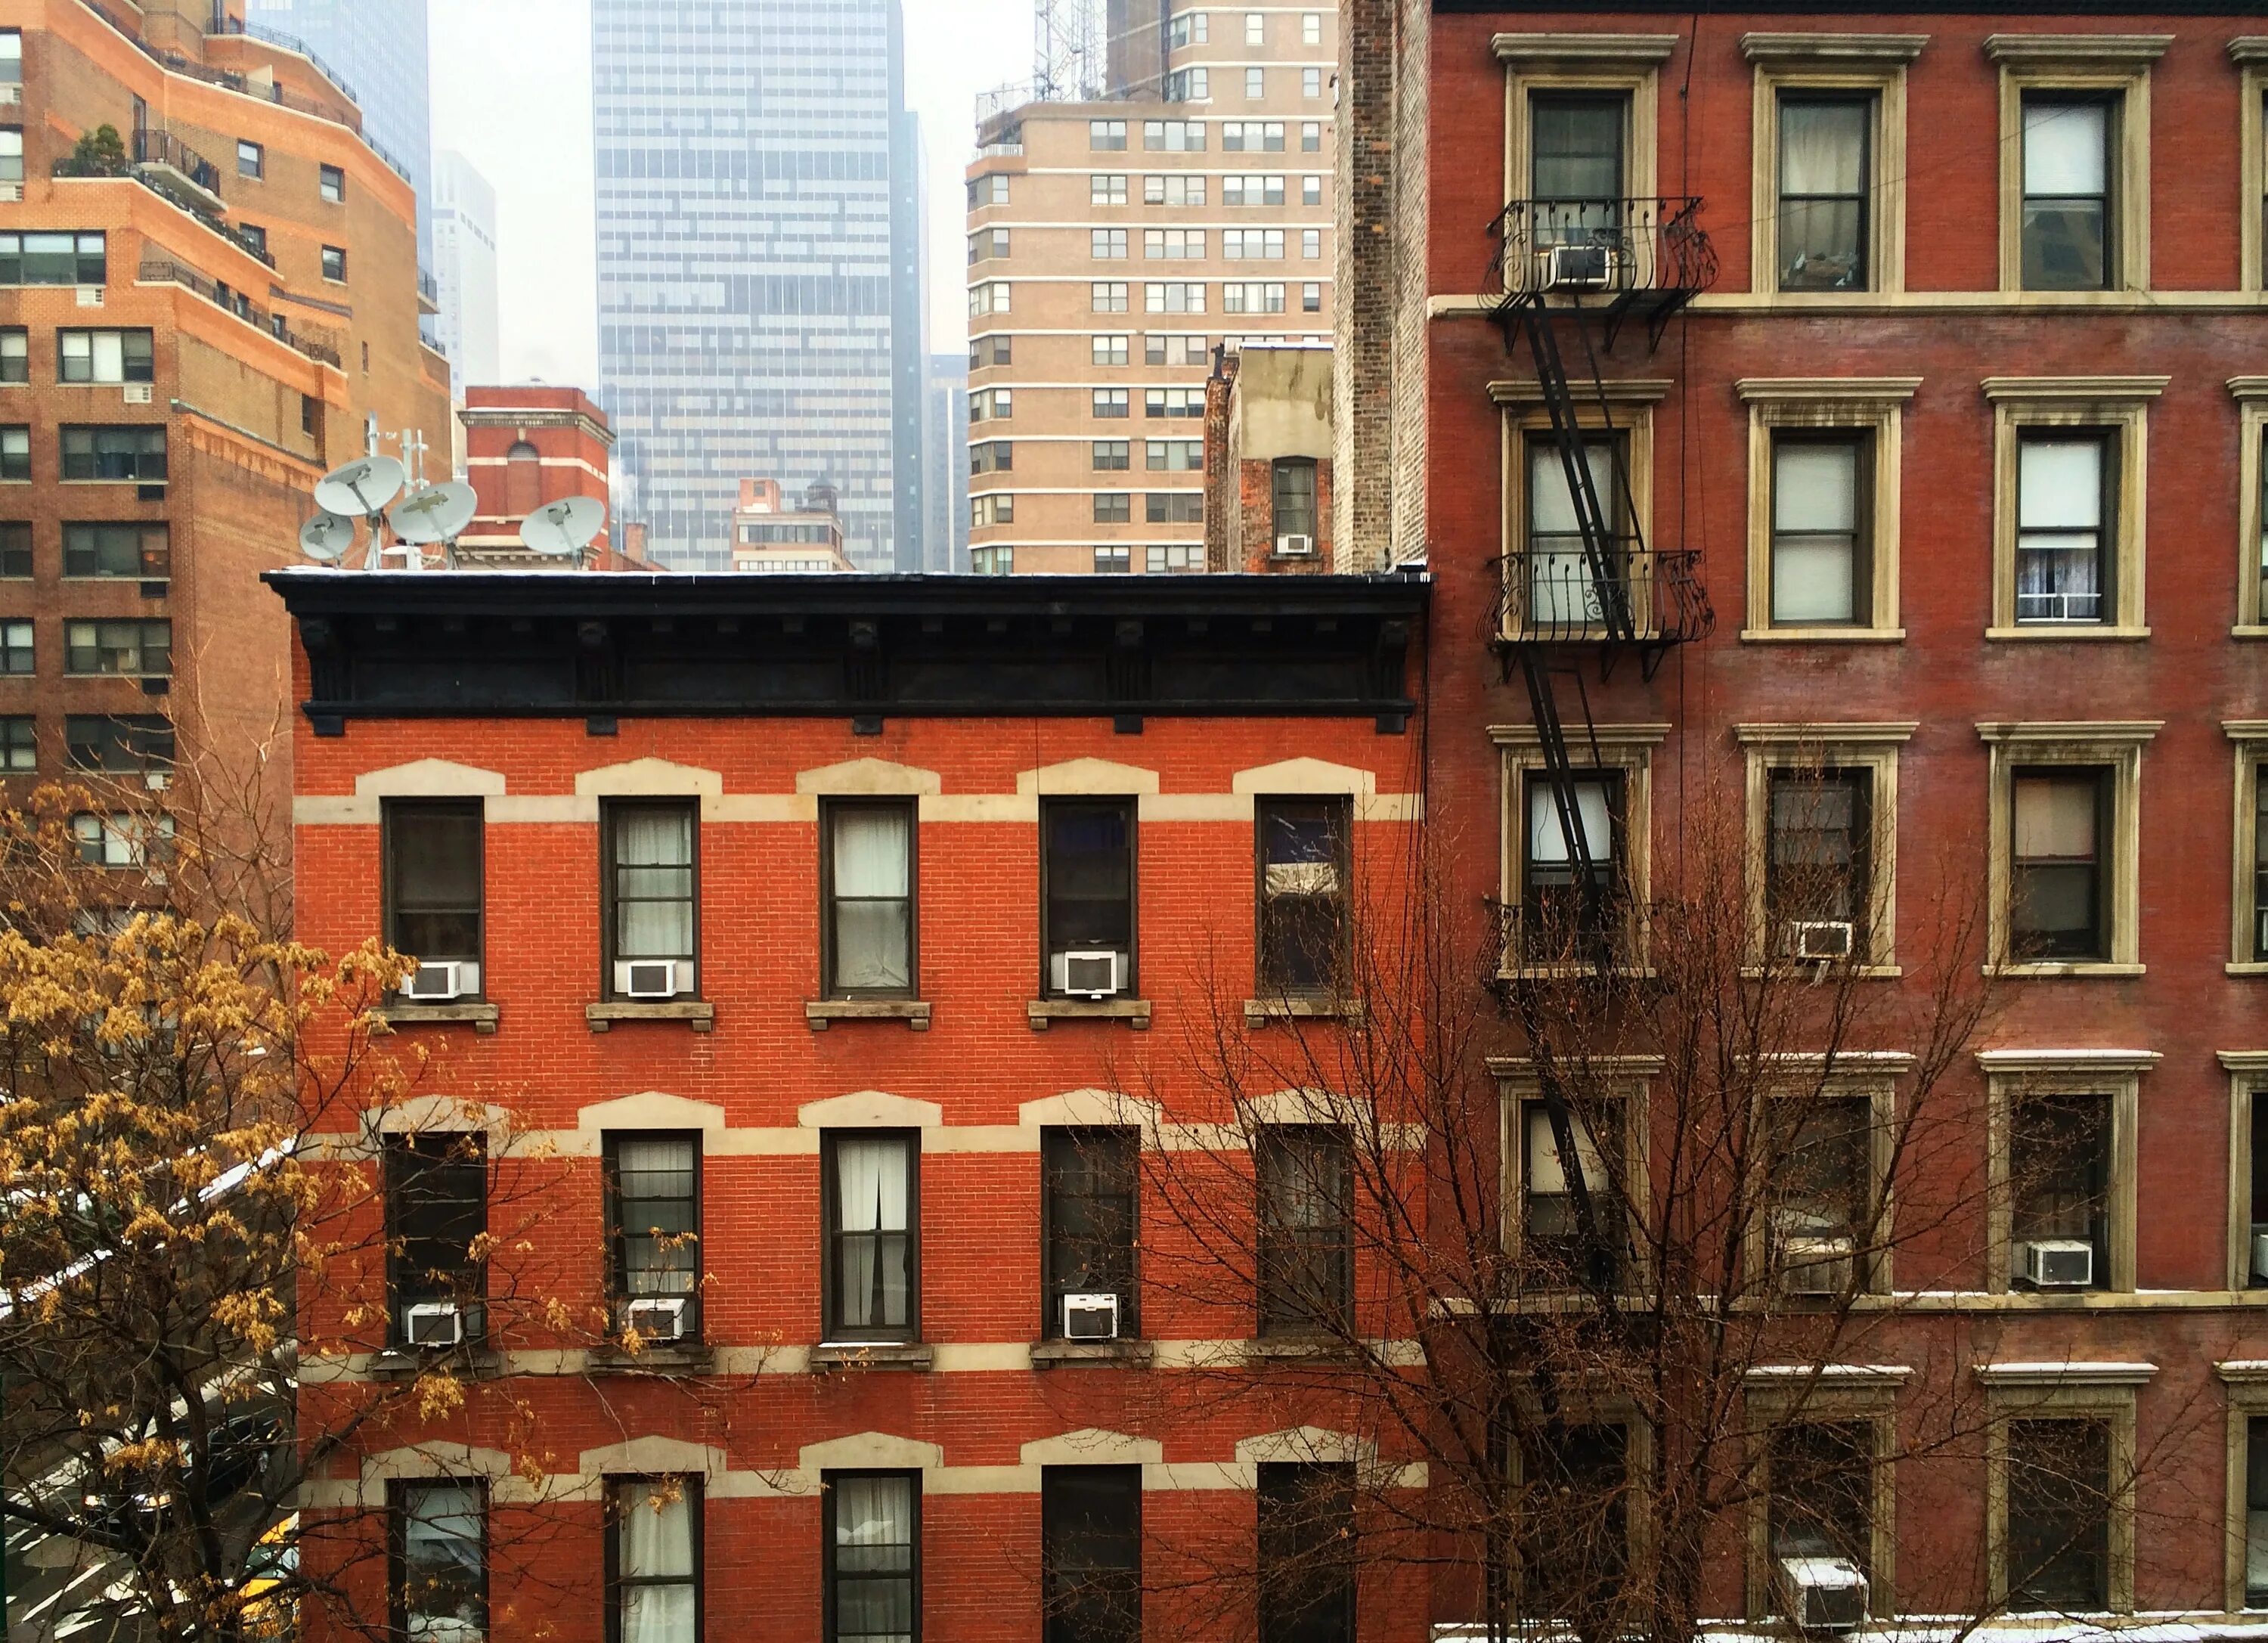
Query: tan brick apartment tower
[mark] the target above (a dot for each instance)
(196, 322)
(1112, 245)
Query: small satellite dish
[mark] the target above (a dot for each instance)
(325, 538)
(558, 530)
(363, 487)
(435, 514)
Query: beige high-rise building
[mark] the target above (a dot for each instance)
(1113, 245)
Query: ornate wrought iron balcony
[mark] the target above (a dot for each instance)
(1615, 248)
(1639, 595)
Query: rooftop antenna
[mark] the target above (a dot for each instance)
(563, 530)
(437, 513)
(1067, 50)
(325, 538)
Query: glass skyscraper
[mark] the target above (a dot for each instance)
(761, 309)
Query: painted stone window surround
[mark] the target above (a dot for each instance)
(2013, 1076)
(2078, 1391)
(1875, 406)
(2251, 738)
(2116, 746)
(1629, 405)
(2249, 53)
(1626, 750)
(1827, 1395)
(2251, 397)
(1627, 63)
(1845, 747)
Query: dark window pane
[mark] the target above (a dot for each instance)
(2059, 878)
(2059, 1541)
(1090, 1544)
(1303, 894)
(873, 1530)
(436, 1207)
(2060, 1175)
(1577, 149)
(1823, 1493)
(656, 1222)
(1308, 1553)
(434, 891)
(1090, 1176)
(1573, 1535)
(1305, 1192)
(1816, 866)
(1090, 877)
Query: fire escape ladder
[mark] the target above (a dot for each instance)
(1607, 557)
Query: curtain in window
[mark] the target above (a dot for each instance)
(2066, 194)
(441, 1562)
(1547, 836)
(2055, 820)
(871, 1200)
(1823, 185)
(874, 1559)
(2066, 147)
(874, 935)
(1562, 590)
(1815, 533)
(653, 884)
(2059, 530)
(656, 1546)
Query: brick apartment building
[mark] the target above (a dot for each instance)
(192, 330)
(1112, 245)
(1268, 458)
(525, 445)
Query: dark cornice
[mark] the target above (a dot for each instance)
(1730, 16)
(507, 644)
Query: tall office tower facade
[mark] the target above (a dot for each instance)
(760, 270)
(1115, 243)
(378, 48)
(465, 269)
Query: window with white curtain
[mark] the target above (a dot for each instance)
(1820, 572)
(440, 1561)
(651, 899)
(2067, 200)
(1823, 192)
(654, 1560)
(2064, 557)
(869, 879)
(2059, 879)
(654, 1226)
(872, 1254)
(1562, 585)
(1564, 912)
(873, 1568)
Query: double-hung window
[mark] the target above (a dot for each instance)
(132, 453)
(1824, 178)
(2065, 517)
(2060, 864)
(16, 549)
(433, 891)
(18, 651)
(873, 1541)
(653, 1186)
(1564, 589)
(2256, 1512)
(1552, 1241)
(15, 355)
(1575, 1544)
(1307, 1552)
(104, 357)
(1822, 570)
(653, 905)
(436, 1218)
(1304, 1180)
(16, 452)
(1817, 1192)
(19, 743)
(439, 1562)
(138, 550)
(2057, 1532)
(1821, 1503)
(653, 1560)
(136, 744)
(1576, 144)
(1303, 895)
(120, 838)
(1090, 1177)
(1570, 907)
(2060, 1189)
(2260, 863)
(2069, 141)
(872, 1188)
(1293, 494)
(868, 884)
(1818, 881)
(1091, 1554)
(143, 649)
(1086, 869)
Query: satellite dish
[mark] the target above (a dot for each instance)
(558, 530)
(363, 487)
(435, 514)
(325, 538)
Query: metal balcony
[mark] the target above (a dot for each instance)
(1642, 258)
(1638, 596)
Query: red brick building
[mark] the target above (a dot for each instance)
(524, 446)
(1268, 458)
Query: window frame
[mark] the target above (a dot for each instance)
(2246, 1393)
(1277, 1316)
(1873, 1234)
(1874, 748)
(610, 870)
(831, 807)
(2248, 1089)
(94, 456)
(2118, 407)
(2011, 1077)
(2115, 745)
(163, 572)
(328, 256)
(19, 733)
(1625, 750)
(619, 1586)
(15, 349)
(1626, 1081)
(1826, 1395)
(2013, 1394)
(389, 887)
(1269, 990)
(144, 624)
(1267, 1501)
(1629, 65)
(2251, 397)
(617, 1275)
(2247, 954)
(1873, 409)
(1828, 64)
(1523, 420)
(830, 1576)
(122, 729)
(397, 1492)
(1055, 1141)
(833, 1330)
(17, 543)
(1131, 805)
(1125, 1482)
(1585, 1409)
(455, 1149)
(2115, 67)
(1278, 470)
(148, 363)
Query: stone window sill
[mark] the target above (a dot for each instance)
(2249, 967)
(871, 1355)
(403, 1363)
(820, 1013)
(1823, 635)
(1259, 1010)
(675, 1358)
(481, 1017)
(1297, 1349)
(1070, 1354)
(2081, 631)
(2036, 972)
(1045, 1012)
(699, 1016)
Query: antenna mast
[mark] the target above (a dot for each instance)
(1068, 63)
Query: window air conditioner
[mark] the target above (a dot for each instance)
(12, 191)
(648, 978)
(1295, 546)
(1580, 267)
(440, 982)
(89, 295)
(1820, 938)
(11, 94)
(1824, 1594)
(1090, 1317)
(1813, 1265)
(657, 1318)
(2260, 1252)
(1087, 974)
(137, 393)
(433, 1323)
(2059, 1263)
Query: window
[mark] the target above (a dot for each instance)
(436, 1214)
(1173, 456)
(1311, 190)
(1105, 135)
(994, 508)
(1304, 1176)
(440, 1560)
(2060, 902)
(992, 456)
(1821, 1503)
(1111, 455)
(1252, 244)
(1174, 507)
(1091, 1553)
(2255, 1513)
(992, 190)
(2057, 1532)
(653, 1560)
(1252, 297)
(334, 264)
(11, 57)
(334, 184)
(1113, 507)
(1568, 914)
(1819, 1194)
(251, 159)
(1311, 83)
(1158, 559)
(1818, 850)
(1113, 562)
(122, 838)
(1820, 573)
(1173, 136)
(872, 1537)
(1090, 1221)
(990, 350)
(1311, 244)
(1563, 589)
(993, 296)
(987, 243)
(2067, 205)
(2064, 558)
(873, 1266)
(1173, 401)
(1187, 28)
(16, 648)
(1304, 847)
(1087, 886)
(15, 452)
(1173, 190)
(992, 561)
(19, 744)
(52, 260)
(1307, 1561)
(139, 551)
(868, 884)
(992, 405)
(1252, 136)
(136, 649)
(1256, 28)
(255, 238)
(1824, 178)
(1111, 402)
(1311, 298)
(1172, 244)
(1311, 28)
(1189, 85)
(1575, 147)
(1551, 1238)
(15, 355)
(653, 1225)
(1108, 244)
(653, 905)
(119, 745)
(1106, 188)
(115, 454)
(1173, 297)
(1109, 350)
(1255, 190)
(1108, 297)
(2059, 1187)
(1163, 349)
(1292, 485)
(1575, 1547)
(2257, 949)
(2249, 1216)
(1256, 85)
(434, 876)
(15, 549)
(1311, 137)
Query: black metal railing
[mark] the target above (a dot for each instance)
(161, 272)
(1603, 246)
(1557, 596)
(429, 288)
(153, 146)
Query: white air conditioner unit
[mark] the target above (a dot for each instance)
(13, 192)
(657, 1318)
(2059, 1263)
(1090, 1317)
(2260, 1252)
(438, 982)
(433, 1323)
(1813, 1265)
(89, 295)
(1820, 938)
(1580, 267)
(650, 978)
(1087, 974)
(137, 393)
(157, 781)
(11, 94)
(1824, 1594)
(1296, 547)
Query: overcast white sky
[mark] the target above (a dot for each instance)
(511, 92)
